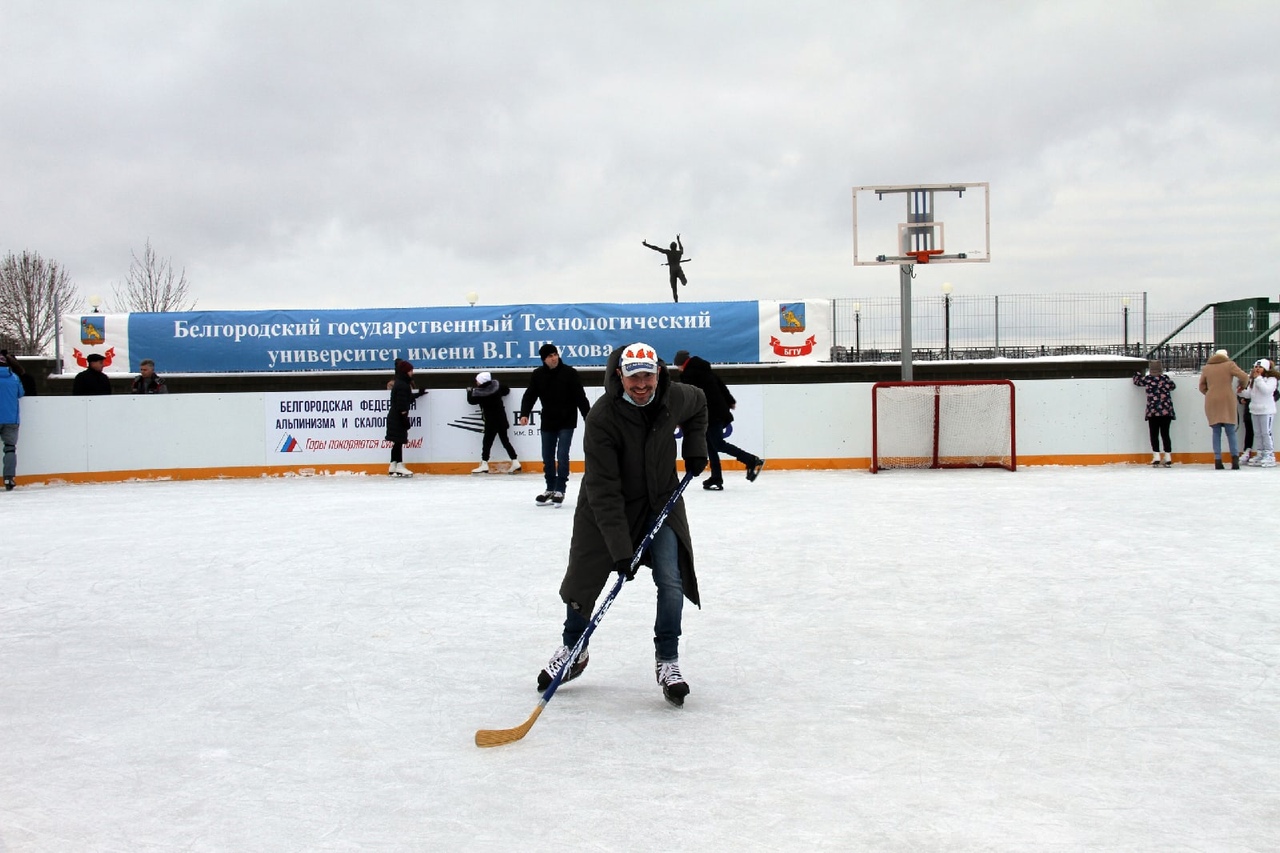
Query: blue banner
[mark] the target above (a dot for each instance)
(493, 337)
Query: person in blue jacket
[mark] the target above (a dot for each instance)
(10, 392)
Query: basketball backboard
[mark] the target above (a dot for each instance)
(921, 223)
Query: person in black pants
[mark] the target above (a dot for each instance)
(674, 256)
(697, 372)
(487, 393)
(1159, 412)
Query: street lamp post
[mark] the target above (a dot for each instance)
(473, 298)
(946, 322)
(95, 301)
(1126, 325)
(857, 330)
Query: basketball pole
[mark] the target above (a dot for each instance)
(904, 277)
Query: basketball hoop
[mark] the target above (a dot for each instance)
(922, 256)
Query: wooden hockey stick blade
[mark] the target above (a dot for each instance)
(501, 737)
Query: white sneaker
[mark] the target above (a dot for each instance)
(515, 466)
(482, 468)
(1245, 456)
(1268, 461)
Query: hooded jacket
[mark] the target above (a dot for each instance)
(489, 398)
(1261, 393)
(10, 391)
(1218, 390)
(698, 373)
(630, 473)
(403, 398)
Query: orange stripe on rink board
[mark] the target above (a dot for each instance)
(459, 468)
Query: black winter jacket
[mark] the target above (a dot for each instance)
(489, 398)
(562, 397)
(698, 373)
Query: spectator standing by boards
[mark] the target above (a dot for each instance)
(92, 382)
(487, 393)
(1218, 381)
(1262, 410)
(147, 382)
(403, 398)
(10, 393)
(1159, 413)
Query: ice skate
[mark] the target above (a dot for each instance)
(713, 484)
(753, 470)
(403, 471)
(673, 684)
(557, 499)
(482, 468)
(557, 663)
(9, 484)
(1155, 460)
(544, 499)
(515, 466)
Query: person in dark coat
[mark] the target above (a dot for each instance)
(563, 397)
(697, 372)
(487, 393)
(630, 449)
(403, 398)
(91, 381)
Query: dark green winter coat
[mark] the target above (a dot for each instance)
(630, 472)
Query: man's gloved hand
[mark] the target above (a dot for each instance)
(695, 465)
(624, 568)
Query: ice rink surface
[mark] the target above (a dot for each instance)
(1056, 659)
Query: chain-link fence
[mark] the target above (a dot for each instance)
(1026, 326)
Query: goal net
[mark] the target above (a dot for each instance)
(943, 425)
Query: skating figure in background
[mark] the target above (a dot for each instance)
(674, 256)
(487, 393)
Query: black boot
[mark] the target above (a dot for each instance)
(1235, 463)
(1218, 466)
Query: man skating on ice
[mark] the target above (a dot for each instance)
(675, 273)
(720, 403)
(630, 449)
(560, 389)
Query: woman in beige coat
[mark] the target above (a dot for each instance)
(1217, 384)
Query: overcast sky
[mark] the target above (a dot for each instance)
(377, 154)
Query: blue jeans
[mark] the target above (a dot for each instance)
(717, 445)
(555, 457)
(1217, 440)
(664, 552)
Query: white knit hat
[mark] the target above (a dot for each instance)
(483, 377)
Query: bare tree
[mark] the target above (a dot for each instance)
(152, 285)
(33, 291)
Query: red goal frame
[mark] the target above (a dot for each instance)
(938, 461)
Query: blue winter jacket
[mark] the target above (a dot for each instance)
(10, 391)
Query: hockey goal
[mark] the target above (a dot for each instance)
(943, 424)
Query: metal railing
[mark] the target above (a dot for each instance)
(1024, 326)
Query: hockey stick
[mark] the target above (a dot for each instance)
(500, 737)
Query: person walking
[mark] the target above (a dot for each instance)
(1160, 414)
(675, 272)
(563, 397)
(403, 398)
(1262, 409)
(10, 392)
(697, 372)
(630, 474)
(487, 393)
(1218, 385)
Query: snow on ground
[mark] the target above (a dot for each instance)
(1056, 659)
